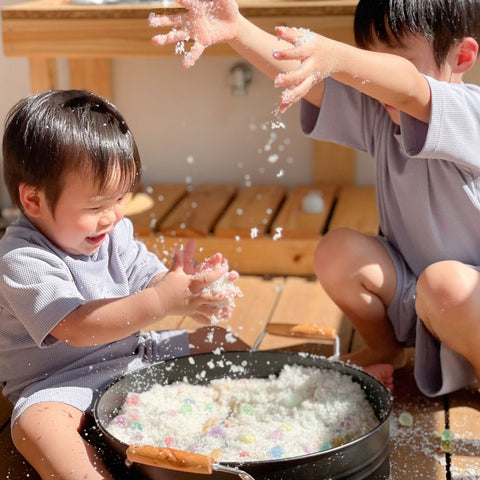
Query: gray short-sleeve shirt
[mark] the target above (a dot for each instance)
(40, 284)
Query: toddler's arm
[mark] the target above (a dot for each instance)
(176, 292)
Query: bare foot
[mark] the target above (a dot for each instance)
(366, 356)
(383, 372)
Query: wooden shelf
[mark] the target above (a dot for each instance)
(90, 36)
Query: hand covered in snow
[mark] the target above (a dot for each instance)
(206, 22)
(222, 289)
(317, 62)
(205, 291)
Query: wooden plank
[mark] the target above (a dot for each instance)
(164, 197)
(257, 256)
(415, 450)
(12, 465)
(305, 301)
(295, 222)
(94, 74)
(464, 422)
(333, 163)
(109, 31)
(197, 213)
(43, 74)
(254, 207)
(356, 208)
(252, 311)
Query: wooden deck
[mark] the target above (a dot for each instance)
(415, 451)
(293, 297)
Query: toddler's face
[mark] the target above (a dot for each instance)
(418, 51)
(83, 215)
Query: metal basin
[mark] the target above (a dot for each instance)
(365, 457)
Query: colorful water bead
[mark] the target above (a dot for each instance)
(447, 440)
(132, 399)
(276, 435)
(405, 419)
(325, 446)
(248, 437)
(217, 432)
(169, 442)
(186, 409)
(216, 453)
(121, 421)
(277, 452)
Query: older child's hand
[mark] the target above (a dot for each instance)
(205, 22)
(317, 62)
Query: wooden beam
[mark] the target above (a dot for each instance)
(43, 74)
(94, 74)
(333, 163)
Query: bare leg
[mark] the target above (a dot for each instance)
(47, 435)
(448, 302)
(358, 274)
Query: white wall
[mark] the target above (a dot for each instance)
(188, 124)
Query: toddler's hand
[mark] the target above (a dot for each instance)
(222, 291)
(205, 22)
(317, 62)
(204, 292)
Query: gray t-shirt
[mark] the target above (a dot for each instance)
(427, 175)
(40, 284)
(428, 195)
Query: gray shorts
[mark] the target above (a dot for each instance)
(79, 386)
(438, 370)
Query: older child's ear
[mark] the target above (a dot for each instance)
(30, 199)
(465, 52)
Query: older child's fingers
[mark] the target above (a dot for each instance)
(296, 92)
(173, 36)
(173, 20)
(296, 76)
(193, 55)
(289, 34)
(294, 53)
(290, 96)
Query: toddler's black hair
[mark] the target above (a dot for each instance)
(440, 22)
(56, 132)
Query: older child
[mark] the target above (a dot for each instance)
(75, 287)
(399, 96)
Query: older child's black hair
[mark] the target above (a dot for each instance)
(440, 22)
(53, 133)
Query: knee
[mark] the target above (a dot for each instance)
(331, 252)
(442, 289)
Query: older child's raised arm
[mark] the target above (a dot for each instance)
(391, 79)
